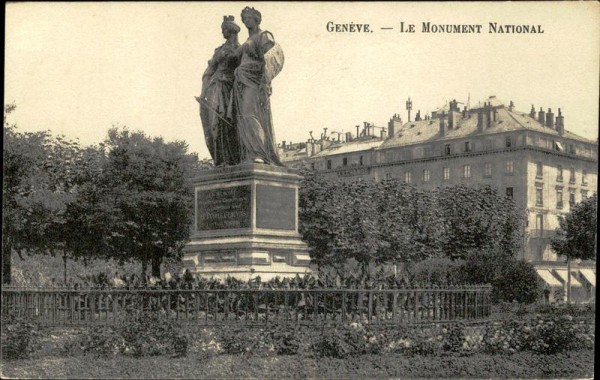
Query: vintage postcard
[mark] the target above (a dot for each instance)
(428, 94)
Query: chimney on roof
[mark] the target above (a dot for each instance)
(454, 106)
(357, 131)
(511, 106)
(348, 136)
(560, 124)
(382, 134)
(442, 123)
(418, 116)
(542, 117)
(495, 113)
(488, 115)
(283, 145)
(451, 119)
(550, 119)
(532, 112)
(464, 112)
(480, 125)
(365, 131)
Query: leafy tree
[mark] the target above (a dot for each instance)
(40, 180)
(576, 235)
(388, 221)
(478, 219)
(144, 195)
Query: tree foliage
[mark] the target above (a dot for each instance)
(576, 235)
(144, 195)
(42, 175)
(389, 221)
(127, 198)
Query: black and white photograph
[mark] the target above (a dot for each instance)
(323, 190)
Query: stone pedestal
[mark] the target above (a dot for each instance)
(246, 224)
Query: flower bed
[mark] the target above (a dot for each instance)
(141, 335)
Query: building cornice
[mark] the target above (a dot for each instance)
(467, 154)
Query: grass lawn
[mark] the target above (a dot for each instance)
(579, 364)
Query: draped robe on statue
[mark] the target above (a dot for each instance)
(217, 82)
(260, 61)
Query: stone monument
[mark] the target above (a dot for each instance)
(246, 209)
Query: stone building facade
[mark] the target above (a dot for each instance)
(529, 156)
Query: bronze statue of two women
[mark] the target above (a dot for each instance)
(234, 104)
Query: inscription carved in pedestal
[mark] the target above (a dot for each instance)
(225, 208)
(275, 207)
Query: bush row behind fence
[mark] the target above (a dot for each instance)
(251, 306)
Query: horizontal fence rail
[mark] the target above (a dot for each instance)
(60, 307)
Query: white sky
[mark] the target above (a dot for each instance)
(79, 68)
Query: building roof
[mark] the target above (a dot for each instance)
(429, 130)
(352, 146)
(292, 154)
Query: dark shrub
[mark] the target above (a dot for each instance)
(18, 337)
(435, 271)
(511, 279)
(103, 341)
(454, 337)
(286, 339)
(150, 334)
(340, 342)
(247, 341)
(517, 281)
(144, 334)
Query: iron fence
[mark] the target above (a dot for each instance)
(63, 307)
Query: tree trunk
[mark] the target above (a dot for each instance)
(144, 270)
(156, 261)
(65, 267)
(568, 280)
(6, 261)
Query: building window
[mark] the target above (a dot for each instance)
(508, 141)
(584, 194)
(583, 177)
(572, 178)
(539, 173)
(488, 170)
(559, 173)
(509, 192)
(360, 160)
(539, 224)
(467, 146)
(572, 149)
(559, 198)
(488, 144)
(345, 161)
(328, 164)
(510, 166)
(467, 171)
(571, 199)
(447, 149)
(407, 177)
(539, 196)
(446, 174)
(426, 175)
